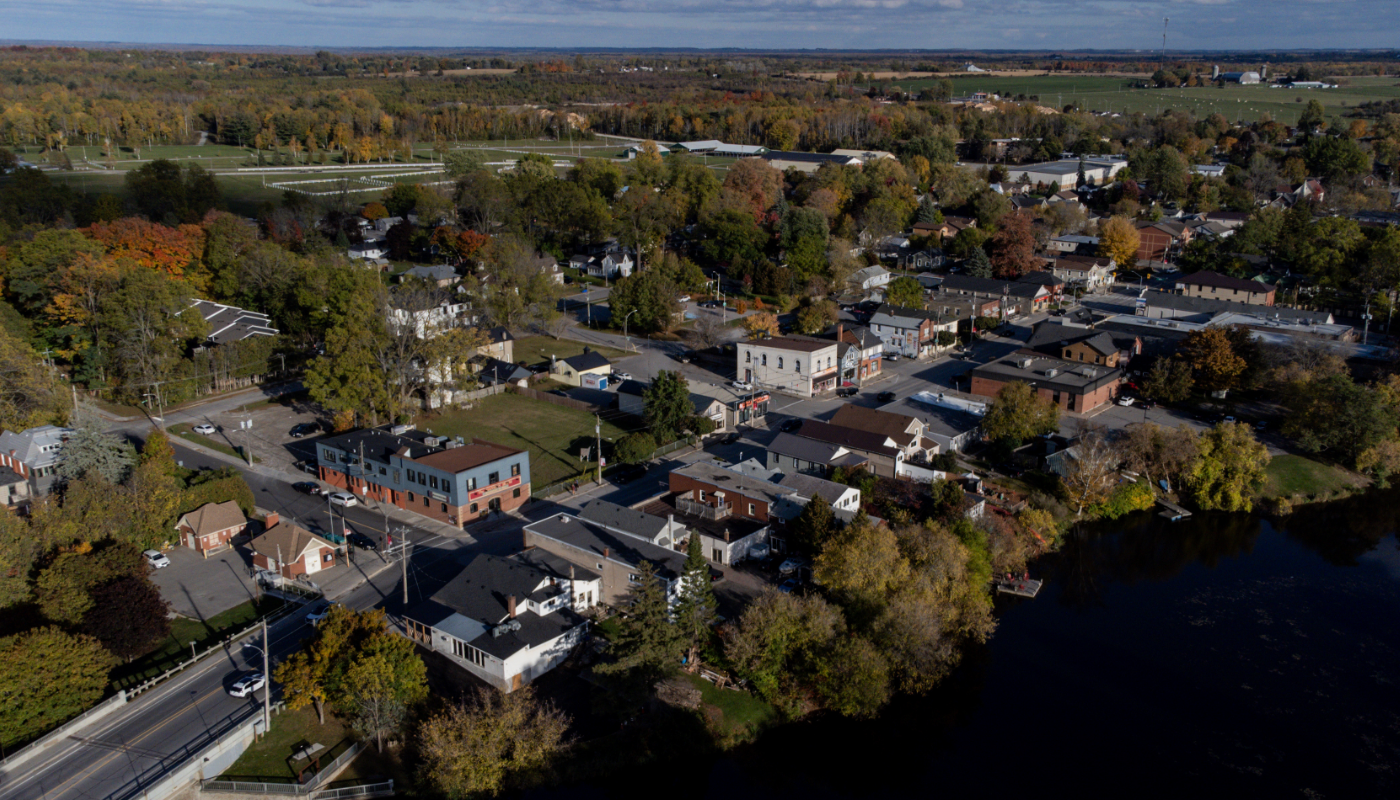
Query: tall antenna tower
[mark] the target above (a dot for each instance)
(1165, 20)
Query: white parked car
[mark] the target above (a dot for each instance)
(1125, 400)
(156, 559)
(343, 499)
(685, 298)
(623, 376)
(247, 684)
(744, 385)
(205, 429)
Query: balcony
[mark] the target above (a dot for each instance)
(687, 506)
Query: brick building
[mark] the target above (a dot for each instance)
(1071, 385)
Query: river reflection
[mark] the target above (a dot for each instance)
(1214, 657)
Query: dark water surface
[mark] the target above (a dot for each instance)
(1216, 657)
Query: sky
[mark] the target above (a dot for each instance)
(765, 24)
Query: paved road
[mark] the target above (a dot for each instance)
(119, 757)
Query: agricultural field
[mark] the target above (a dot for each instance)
(1115, 93)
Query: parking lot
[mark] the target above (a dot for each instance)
(199, 587)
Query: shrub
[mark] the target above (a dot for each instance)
(1127, 498)
(635, 448)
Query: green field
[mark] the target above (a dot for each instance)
(553, 434)
(531, 349)
(1112, 93)
(272, 757)
(1296, 476)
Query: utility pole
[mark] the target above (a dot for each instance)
(267, 681)
(1366, 320)
(598, 432)
(403, 559)
(1165, 20)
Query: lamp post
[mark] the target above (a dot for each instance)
(267, 678)
(624, 326)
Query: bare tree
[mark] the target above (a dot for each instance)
(1092, 469)
(1156, 452)
(710, 331)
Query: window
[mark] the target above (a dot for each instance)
(396, 475)
(444, 508)
(515, 470)
(466, 652)
(517, 491)
(474, 508)
(411, 477)
(780, 362)
(765, 359)
(432, 481)
(748, 357)
(471, 484)
(410, 497)
(702, 495)
(494, 477)
(383, 471)
(751, 509)
(797, 364)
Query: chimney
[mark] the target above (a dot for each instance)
(271, 520)
(840, 330)
(510, 606)
(606, 552)
(726, 534)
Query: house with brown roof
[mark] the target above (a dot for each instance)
(1158, 240)
(450, 480)
(291, 550)
(1216, 286)
(211, 526)
(906, 432)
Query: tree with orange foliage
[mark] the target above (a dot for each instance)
(175, 251)
(373, 211)
(752, 185)
(1012, 248)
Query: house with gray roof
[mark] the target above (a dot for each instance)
(791, 453)
(231, 323)
(910, 332)
(631, 400)
(442, 275)
(660, 531)
(34, 454)
(507, 620)
(589, 368)
(614, 556)
(803, 488)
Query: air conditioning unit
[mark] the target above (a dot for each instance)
(1090, 372)
(1050, 373)
(431, 441)
(1025, 363)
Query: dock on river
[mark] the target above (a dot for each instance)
(1173, 511)
(1021, 587)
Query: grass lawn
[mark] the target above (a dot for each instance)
(553, 434)
(1291, 475)
(271, 759)
(532, 349)
(186, 431)
(742, 711)
(176, 647)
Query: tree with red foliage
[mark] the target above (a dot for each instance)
(128, 616)
(175, 251)
(1012, 248)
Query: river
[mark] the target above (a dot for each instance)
(1222, 656)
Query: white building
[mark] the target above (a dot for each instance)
(789, 365)
(508, 620)
(874, 277)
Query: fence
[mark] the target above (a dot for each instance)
(556, 400)
(93, 715)
(385, 789)
(255, 625)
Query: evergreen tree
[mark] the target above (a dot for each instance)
(978, 265)
(696, 608)
(811, 529)
(647, 646)
(668, 405)
(92, 450)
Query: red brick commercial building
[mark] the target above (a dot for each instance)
(291, 550)
(211, 526)
(450, 480)
(1071, 385)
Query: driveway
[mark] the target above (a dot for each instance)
(198, 587)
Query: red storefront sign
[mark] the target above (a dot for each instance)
(493, 487)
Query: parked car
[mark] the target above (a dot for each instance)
(791, 565)
(156, 559)
(885, 397)
(307, 487)
(318, 612)
(891, 356)
(847, 391)
(247, 684)
(685, 298)
(344, 499)
(743, 385)
(1126, 400)
(789, 586)
(790, 425)
(623, 376)
(205, 429)
(303, 429)
(362, 541)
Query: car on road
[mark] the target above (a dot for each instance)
(156, 559)
(885, 397)
(307, 487)
(247, 684)
(362, 541)
(847, 391)
(205, 429)
(789, 586)
(729, 438)
(790, 425)
(318, 612)
(629, 473)
(623, 376)
(344, 499)
(744, 385)
(304, 429)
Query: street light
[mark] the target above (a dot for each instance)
(624, 326)
(267, 678)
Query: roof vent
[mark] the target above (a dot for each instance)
(1050, 373)
(1025, 363)
(1090, 372)
(431, 441)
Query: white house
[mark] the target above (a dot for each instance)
(508, 620)
(875, 277)
(428, 323)
(790, 365)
